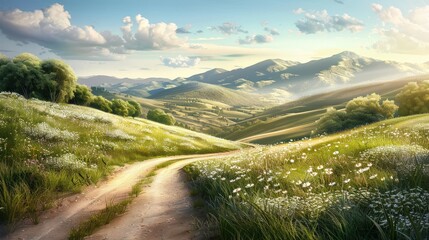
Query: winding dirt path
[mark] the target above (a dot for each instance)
(57, 223)
(163, 211)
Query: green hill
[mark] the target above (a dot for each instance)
(49, 149)
(211, 92)
(371, 182)
(296, 119)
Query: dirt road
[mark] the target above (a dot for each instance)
(163, 211)
(57, 223)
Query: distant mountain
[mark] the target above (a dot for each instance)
(340, 70)
(210, 92)
(139, 87)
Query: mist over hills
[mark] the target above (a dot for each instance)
(276, 79)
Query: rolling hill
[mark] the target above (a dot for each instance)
(275, 75)
(197, 90)
(50, 149)
(296, 119)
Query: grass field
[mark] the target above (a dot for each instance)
(48, 149)
(368, 183)
(282, 123)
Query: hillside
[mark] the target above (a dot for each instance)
(374, 177)
(50, 149)
(197, 90)
(298, 79)
(296, 119)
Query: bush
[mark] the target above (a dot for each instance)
(101, 103)
(359, 111)
(82, 95)
(134, 109)
(120, 107)
(413, 98)
(158, 115)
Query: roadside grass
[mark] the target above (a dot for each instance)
(368, 183)
(114, 210)
(48, 149)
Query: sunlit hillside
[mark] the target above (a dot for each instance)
(49, 149)
(368, 183)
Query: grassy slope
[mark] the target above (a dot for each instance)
(297, 119)
(210, 92)
(48, 149)
(325, 188)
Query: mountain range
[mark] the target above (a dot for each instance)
(270, 80)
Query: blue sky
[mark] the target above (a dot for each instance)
(132, 38)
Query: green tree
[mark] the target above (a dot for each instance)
(27, 59)
(359, 111)
(25, 79)
(158, 115)
(101, 103)
(136, 109)
(82, 95)
(3, 59)
(61, 83)
(120, 107)
(413, 98)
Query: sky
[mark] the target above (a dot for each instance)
(154, 38)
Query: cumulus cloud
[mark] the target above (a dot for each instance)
(150, 36)
(180, 61)
(403, 34)
(321, 21)
(52, 28)
(271, 31)
(228, 28)
(259, 38)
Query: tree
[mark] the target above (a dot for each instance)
(120, 107)
(101, 103)
(158, 115)
(137, 109)
(413, 98)
(82, 95)
(359, 111)
(27, 59)
(3, 59)
(61, 83)
(25, 79)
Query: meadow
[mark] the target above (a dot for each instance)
(49, 150)
(371, 182)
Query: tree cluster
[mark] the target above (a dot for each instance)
(413, 98)
(55, 81)
(359, 111)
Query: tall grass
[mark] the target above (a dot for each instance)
(368, 183)
(49, 149)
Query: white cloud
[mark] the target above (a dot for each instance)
(228, 28)
(321, 21)
(155, 36)
(52, 28)
(272, 31)
(403, 34)
(259, 38)
(180, 61)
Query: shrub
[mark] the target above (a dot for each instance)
(120, 107)
(359, 111)
(158, 115)
(413, 98)
(82, 95)
(101, 103)
(134, 109)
